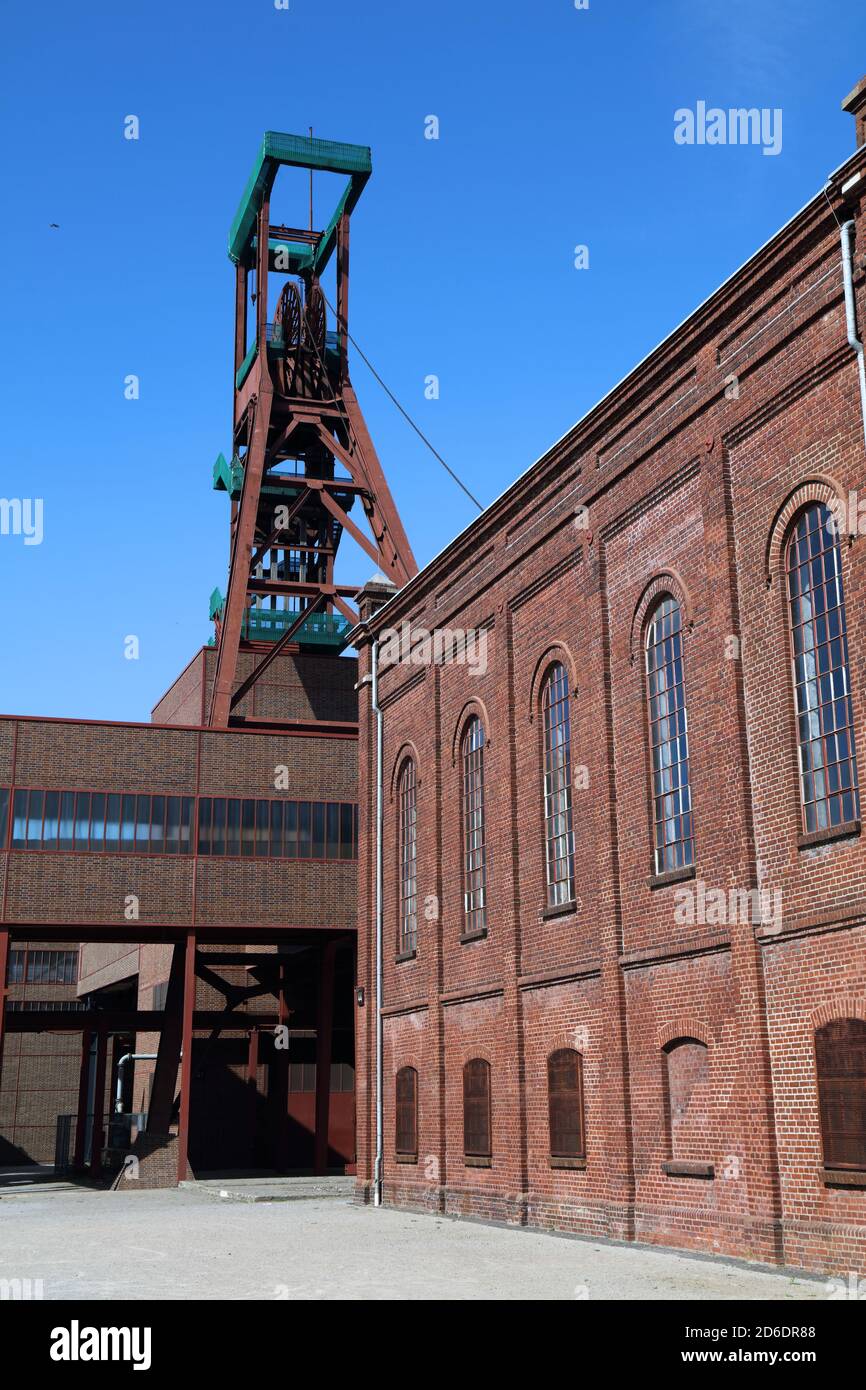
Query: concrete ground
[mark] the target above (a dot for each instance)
(192, 1243)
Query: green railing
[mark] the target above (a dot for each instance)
(269, 624)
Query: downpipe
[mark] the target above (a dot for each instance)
(374, 703)
(847, 232)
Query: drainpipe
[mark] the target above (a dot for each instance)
(374, 703)
(128, 1057)
(851, 315)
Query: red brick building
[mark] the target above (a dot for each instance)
(623, 894)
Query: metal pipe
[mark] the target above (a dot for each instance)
(851, 314)
(374, 703)
(128, 1057)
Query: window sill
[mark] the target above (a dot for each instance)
(578, 1164)
(847, 831)
(843, 1177)
(476, 1161)
(672, 876)
(559, 910)
(678, 1168)
(468, 936)
(406, 1158)
(404, 956)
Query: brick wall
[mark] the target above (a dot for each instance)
(683, 481)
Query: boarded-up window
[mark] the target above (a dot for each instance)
(687, 1096)
(476, 1109)
(840, 1055)
(565, 1104)
(407, 1112)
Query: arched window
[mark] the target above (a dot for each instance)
(669, 741)
(565, 1104)
(474, 851)
(407, 1114)
(476, 1110)
(822, 692)
(840, 1058)
(408, 850)
(558, 832)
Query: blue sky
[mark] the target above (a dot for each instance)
(555, 130)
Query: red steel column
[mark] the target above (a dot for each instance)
(4, 964)
(97, 1137)
(324, 1039)
(186, 1057)
(252, 1089)
(281, 1077)
(81, 1118)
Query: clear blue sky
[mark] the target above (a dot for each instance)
(556, 129)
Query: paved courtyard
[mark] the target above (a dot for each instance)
(195, 1244)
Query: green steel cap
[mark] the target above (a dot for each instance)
(302, 152)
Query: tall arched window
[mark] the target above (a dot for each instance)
(565, 1104)
(477, 1139)
(669, 741)
(408, 850)
(840, 1058)
(558, 832)
(822, 692)
(474, 850)
(407, 1114)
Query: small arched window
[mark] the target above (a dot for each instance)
(408, 852)
(840, 1058)
(669, 740)
(474, 848)
(565, 1104)
(822, 691)
(476, 1110)
(558, 831)
(407, 1114)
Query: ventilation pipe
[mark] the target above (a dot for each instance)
(128, 1057)
(847, 233)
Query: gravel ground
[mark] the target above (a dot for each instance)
(187, 1244)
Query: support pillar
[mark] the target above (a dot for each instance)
(281, 1077)
(4, 966)
(324, 1048)
(253, 1091)
(162, 1091)
(97, 1134)
(186, 1057)
(81, 1116)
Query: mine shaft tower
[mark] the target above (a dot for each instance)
(302, 455)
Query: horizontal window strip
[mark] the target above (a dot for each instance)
(145, 823)
(243, 827)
